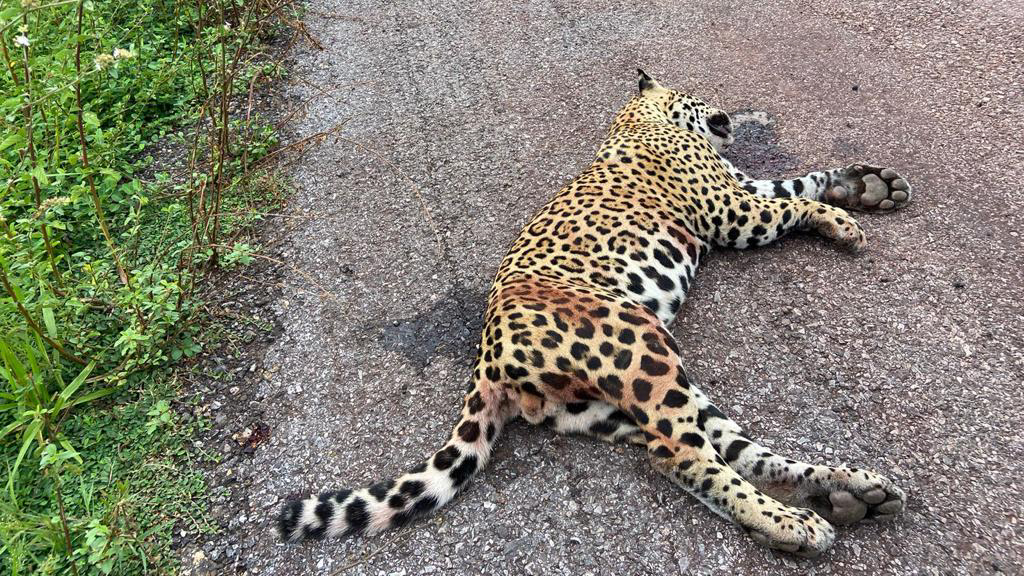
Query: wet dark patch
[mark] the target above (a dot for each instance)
(756, 150)
(450, 328)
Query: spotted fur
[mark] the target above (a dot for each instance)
(575, 332)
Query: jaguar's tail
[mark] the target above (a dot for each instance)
(423, 489)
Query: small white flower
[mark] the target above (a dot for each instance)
(122, 54)
(21, 40)
(23, 28)
(102, 61)
(51, 203)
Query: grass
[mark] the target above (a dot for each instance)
(102, 255)
(130, 486)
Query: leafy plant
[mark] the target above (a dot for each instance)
(159, 416)
(100, 261)
(40, 401)
(240, 254)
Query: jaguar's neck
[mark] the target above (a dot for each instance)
(638, 110)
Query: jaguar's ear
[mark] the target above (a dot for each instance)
(647, 83)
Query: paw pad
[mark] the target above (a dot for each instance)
(862, 496)
(869, 189)
(846, 508)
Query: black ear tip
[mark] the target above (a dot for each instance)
(646, 82)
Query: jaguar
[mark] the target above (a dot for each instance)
(575, 334)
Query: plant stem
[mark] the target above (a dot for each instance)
(30, 140)
(97, 205)
(28, 9)
(57, 488)
(31, 321)
(7, 59)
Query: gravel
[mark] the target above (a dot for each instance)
(907, 359)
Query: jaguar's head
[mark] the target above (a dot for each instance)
(688, 112)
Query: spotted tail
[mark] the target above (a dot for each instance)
(422, 490)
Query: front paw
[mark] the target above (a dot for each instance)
(836, 224)
(869, 189)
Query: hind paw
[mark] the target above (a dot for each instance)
(869, 189)
(797, 531)
(860, 495)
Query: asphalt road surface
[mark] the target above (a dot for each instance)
(460, 121)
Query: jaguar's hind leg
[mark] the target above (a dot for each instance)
(662, 403)
(842, 495)
(618, 352)
(684, 454)
(681, 451)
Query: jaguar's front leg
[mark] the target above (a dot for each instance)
(859, 187)
(745, 221)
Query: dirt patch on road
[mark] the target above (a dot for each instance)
(449, 327)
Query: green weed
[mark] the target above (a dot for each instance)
(100, 261)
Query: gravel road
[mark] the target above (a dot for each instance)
(461, 121)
